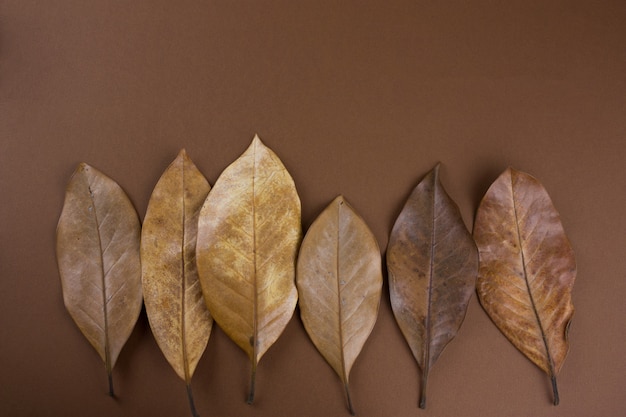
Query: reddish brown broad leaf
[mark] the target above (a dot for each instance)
(178, 315)
(432, 262)
(339, 280)
(249, 232)
(527, 269)
(98, 256)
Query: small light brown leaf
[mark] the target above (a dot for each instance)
(98, 256)
(339, 279)
(249, 232)
(527, 269)
(176, 310)
(432, 262)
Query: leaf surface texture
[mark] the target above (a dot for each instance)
(97, 250)
(527, 269)
(339, 279)
(178, 316)
(249, 233)
(432, 263)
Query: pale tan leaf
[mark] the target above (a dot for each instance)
(432, 262)
(339, 279)
(98, 256)
(249, 232)
(527, 269)
(176, 310)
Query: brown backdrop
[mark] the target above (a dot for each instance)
(360, 98)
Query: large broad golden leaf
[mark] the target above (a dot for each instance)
(249, 232)
(98, 256)
(178, 316)
(527, 269)
(432, 262)
(339, 279)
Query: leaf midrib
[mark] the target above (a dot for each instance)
(430, 279)
(344, 375)
(107, 349)
(183, 329)
(530, 294)
(255, 324)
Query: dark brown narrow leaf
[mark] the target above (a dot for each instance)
(178, 316)
(339, 280)
(98, 256)
(249, 232)
(432, 262)
(527, 269)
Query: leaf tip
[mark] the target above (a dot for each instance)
(182, 157)
(435, 173)
(255, 144)
(81, 167)
(510, 171)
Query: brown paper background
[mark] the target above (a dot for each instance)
(360, 98)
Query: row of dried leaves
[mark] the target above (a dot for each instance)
(235, 254)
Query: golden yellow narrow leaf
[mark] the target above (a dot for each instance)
(527, 269)
(433, 263)
(178, 316)
(249, 232)
(339, 279)
(97, 250)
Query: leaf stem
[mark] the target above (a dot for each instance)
(350, 408)
(110, 377)
(422, 403)
(555, 390)
(192, 406)
(250, 399)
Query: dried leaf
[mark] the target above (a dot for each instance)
(527, 269)
(249, 232)
(339, 279)
(178, 316)
(432, 262)
(98, 256)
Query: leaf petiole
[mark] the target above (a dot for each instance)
(350, 407)
(110, 378)
(192, 406)
(555, 390)
(250, 399)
